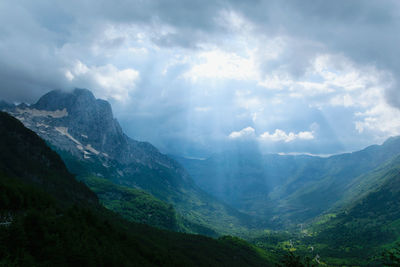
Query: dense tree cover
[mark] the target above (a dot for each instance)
(366, 226)
(134, 204)
(15, 195)
(43, 234)
(391, 257)
(292, 260)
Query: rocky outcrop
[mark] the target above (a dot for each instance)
(79, 123)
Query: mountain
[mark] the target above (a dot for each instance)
(366, 224)
(83, 131)
(362, 229)
(47, 218)
(286, 189)
(79, 123)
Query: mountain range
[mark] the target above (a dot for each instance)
(48, 218)
(339, 209)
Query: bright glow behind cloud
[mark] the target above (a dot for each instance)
(218, 64)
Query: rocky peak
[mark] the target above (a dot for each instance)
(80, 104)
(58, 99)
(89, 120)
(77, 122)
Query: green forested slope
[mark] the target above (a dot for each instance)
(133, 204)
(365, 227)
(354, 233)
(136, 205)
(198, 212)
(41, 233)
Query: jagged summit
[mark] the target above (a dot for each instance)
(79, 123)
(87, 120)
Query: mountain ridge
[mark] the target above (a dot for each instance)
(290, 188)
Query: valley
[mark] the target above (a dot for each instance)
(341, 210)
(337, 210)
(200, 133)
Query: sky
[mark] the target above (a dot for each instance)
(198, 77)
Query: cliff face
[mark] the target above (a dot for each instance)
(78, 123)
(83, 125)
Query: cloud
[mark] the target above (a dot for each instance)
(380, 119)
(107, 81)
(279, 136)
(195, 70)
(245, 133)
(342, 100)
(327, 74)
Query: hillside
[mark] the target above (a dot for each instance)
(364, 227)
(133, 204)
(25, 156)
(42, 227)
(357, 231)
(287, 189)
(136, 205)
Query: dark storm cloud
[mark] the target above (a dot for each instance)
(32, 31)
(33, 35)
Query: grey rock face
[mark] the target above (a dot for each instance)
(79, 123)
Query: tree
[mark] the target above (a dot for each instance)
(292, 260)
(391, 257)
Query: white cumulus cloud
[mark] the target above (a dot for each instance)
(247, 132)
(106, 81)
(280, 135)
